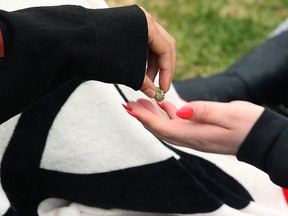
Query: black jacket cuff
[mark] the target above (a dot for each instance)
(266, 146)
(121, 45)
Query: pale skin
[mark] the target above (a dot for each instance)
(214, 127)
(161, 57)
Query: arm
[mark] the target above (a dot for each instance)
(238, 128)
(266, 65)
(259, 77)
(266, 146)
(46, 47)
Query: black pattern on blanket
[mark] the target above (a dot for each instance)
(78, 152)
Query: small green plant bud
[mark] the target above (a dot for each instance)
(160, 95)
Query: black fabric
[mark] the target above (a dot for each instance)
(45, 47)
(220, 87)
(188, 185)
(11, 212)
(225, 188)
(266, 146)
(20, 175)
(264, 71)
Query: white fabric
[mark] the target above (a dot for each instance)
(248, 176)
(4, 202)
(75, 209)
(269, 197)
(6, 131)
(81, 156)
(7, 128)
(78, 146)
(5, 135)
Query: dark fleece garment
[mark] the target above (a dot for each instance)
(266, 146)
(46, 47)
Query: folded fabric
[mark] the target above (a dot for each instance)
(78, 152)
(80, 145)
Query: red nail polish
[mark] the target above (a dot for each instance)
(185, 112)
(160, 105)
(132, 114)
(126, 107)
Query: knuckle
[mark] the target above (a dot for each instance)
(204, 112)
(150, 18)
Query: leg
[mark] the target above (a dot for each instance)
(259, 77)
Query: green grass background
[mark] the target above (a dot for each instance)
(212, 34)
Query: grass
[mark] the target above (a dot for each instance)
(212, 34)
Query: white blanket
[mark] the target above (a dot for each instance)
(79, 153)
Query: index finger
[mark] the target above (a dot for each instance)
(160, 44)
(167, 75)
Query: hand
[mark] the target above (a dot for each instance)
(207, 126)
(161, 57)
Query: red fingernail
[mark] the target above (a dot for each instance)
(185, 112)
(132, 114)
(160, 105)
(126, 107)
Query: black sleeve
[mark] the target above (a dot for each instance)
(266, 147)
(45, 47)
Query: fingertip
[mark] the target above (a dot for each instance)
(185, 112)
(165, 79)
(126, 107)
(148, 87)
(132, 114)
(160, 105)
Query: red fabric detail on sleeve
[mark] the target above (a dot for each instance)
(285, 192)
(1, 45)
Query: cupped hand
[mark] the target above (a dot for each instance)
(161, 57)
(206, 126)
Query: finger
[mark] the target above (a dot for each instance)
(149, 105)
(170, 109)
(162, 49)
(152, 66)
(165, 71)
(148, 87)
(161, 44)
(147, 117)
(209, 112)
(172, 43)
(140, 111)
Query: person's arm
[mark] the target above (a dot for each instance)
(255, 135)
(266, 146)
(266, 65)
(46, 47)
(259, 77)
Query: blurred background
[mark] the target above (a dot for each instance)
(212, 34)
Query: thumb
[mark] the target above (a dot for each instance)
(205, 112)
(148, 87)
(185, 112)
